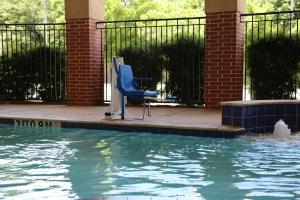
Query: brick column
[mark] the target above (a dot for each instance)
(223, 52)
(85, 68)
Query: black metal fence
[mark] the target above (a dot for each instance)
(262, 27)
(170, 51)
(32, 62)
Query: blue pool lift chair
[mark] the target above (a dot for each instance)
(128, 86)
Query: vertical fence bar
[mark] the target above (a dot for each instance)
(167, 42)
(130, 37)
(33, 91)
(161, 57)
(252, 39)
(291, 17)
(111, 46)
(201, 81)
(103, 28)
(277, 24)
(265, 24)
(245, 60)
(59, 50)
(50, 64)
(271, 29)
(297, 28)
(65, 62)
(16, 37)
(2, 49)
(188, 64)
(45, 60)
(7, 52)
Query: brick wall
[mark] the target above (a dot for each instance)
(223, 58)
(85, 69)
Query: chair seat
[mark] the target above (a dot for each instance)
(148, 93)
(140, 93)
(133, 93)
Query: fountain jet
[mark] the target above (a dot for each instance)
(281, 130)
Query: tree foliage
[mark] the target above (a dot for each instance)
(149, 9)
(32, 11)
(257, 6)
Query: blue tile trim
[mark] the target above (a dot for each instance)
(277, 118)
(290, 120)
(246, 123)
(237, 112)
(290, 109)
(261, 110)
(260, 121)
(227, 110)
(270, 110)
(269, 129)
(298, 110)
(7, 121)
(279, 109)
(226, 120)
(253, 122)
(237, 122)
(253, 110)
(155, 130)
(262, 118)
(269, 121)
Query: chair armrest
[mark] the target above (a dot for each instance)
(142, 79)
(137, 80)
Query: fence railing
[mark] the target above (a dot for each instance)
(170, 51)
(32, 62)
(262, 27)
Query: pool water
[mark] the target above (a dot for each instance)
(38, 163)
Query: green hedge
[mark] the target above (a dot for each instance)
(33, 74)
(185, 65)
(273, 65)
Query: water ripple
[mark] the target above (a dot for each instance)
(73, 164)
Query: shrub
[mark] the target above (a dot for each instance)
(273, 65)
(185, 66)
(33, 74)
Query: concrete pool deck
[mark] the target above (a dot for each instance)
(163, 119)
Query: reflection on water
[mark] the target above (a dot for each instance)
(33, 166)
(270, 167)
(72, 164)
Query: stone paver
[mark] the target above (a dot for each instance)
(192, 118)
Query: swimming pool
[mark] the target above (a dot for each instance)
(38, 163)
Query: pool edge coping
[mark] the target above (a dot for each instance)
(155, 128)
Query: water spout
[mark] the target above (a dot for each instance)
(281, 130)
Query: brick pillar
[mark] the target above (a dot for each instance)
(85, 68)
(223, 52)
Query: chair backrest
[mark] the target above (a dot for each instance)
(116, 62)
(125, 78)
